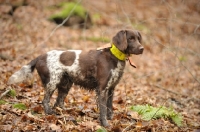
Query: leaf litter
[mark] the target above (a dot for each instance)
(167, 74)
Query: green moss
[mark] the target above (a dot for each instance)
(98, 39)
(19, 26)
(141, 27)
(182, 58)
(2, 102)
(101, 130)
(12, 93)
(20, 106)
(96, 17)
(66, 8)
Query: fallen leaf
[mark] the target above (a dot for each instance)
(55, 127)
(34, 117)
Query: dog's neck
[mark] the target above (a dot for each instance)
(117, 53)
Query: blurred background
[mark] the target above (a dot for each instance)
(167, 73)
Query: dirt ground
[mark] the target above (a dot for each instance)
(167, 73)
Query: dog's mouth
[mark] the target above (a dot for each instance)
(136, 52)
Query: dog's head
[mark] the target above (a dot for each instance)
(128, 41)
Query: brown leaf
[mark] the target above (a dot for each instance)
(138, 124)
(133, 115)
(55, 127)
(6, 127)
(86, 98)
(30, 127)
(38, 109)
(34, 117)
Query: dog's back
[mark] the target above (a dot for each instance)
(81, 67)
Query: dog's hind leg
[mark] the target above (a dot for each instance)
(63, 89)
(49, 89)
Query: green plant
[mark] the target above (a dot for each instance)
(98, 39)
(20, 106)
(96, 16)
(12, 93)
(2, 102)
(141, 26)
(101, 130)
(182, 58)
(149, 112)
(66, 9)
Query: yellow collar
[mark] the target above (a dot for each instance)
(117, 53)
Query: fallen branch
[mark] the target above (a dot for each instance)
(159, 87)
(5, 93)
(128, 127)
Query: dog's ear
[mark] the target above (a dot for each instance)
(120, 40)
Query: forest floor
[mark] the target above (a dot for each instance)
(167, 73)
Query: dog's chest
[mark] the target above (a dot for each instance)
(115, 75)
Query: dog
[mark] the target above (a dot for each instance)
(98, 70)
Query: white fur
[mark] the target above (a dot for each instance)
(56, 68)
(23, 74)
(114, 75)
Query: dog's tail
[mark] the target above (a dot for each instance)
(25, 73)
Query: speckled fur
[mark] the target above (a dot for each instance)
(57, 69)
(115, 74)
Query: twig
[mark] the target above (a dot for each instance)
(180, 62)
(197, 27)
(58, 26)
(128, 127)
(4, 93)
(159, 87)
(158, 110)
(62, 22)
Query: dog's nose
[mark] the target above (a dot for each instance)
(141, 49)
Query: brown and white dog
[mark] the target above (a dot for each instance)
(98, 70)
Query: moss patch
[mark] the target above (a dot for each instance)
(76, 14)
(2, 102)
(12, 93)
(182, 58)
(98, 39)
(20, 106)
(141, 27)
(66, 9)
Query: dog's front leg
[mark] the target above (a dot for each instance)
(102, 101)
(109, 103)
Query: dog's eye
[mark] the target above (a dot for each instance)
(132, 38)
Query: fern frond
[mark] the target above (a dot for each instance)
(149, 112)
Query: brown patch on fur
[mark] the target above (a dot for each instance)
(42, 69)
(87, 62)
(88, 66)
(67, 58)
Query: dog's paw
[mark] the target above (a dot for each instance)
(50, 112)
(104, 123)
(109, 117)
(59, 107)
